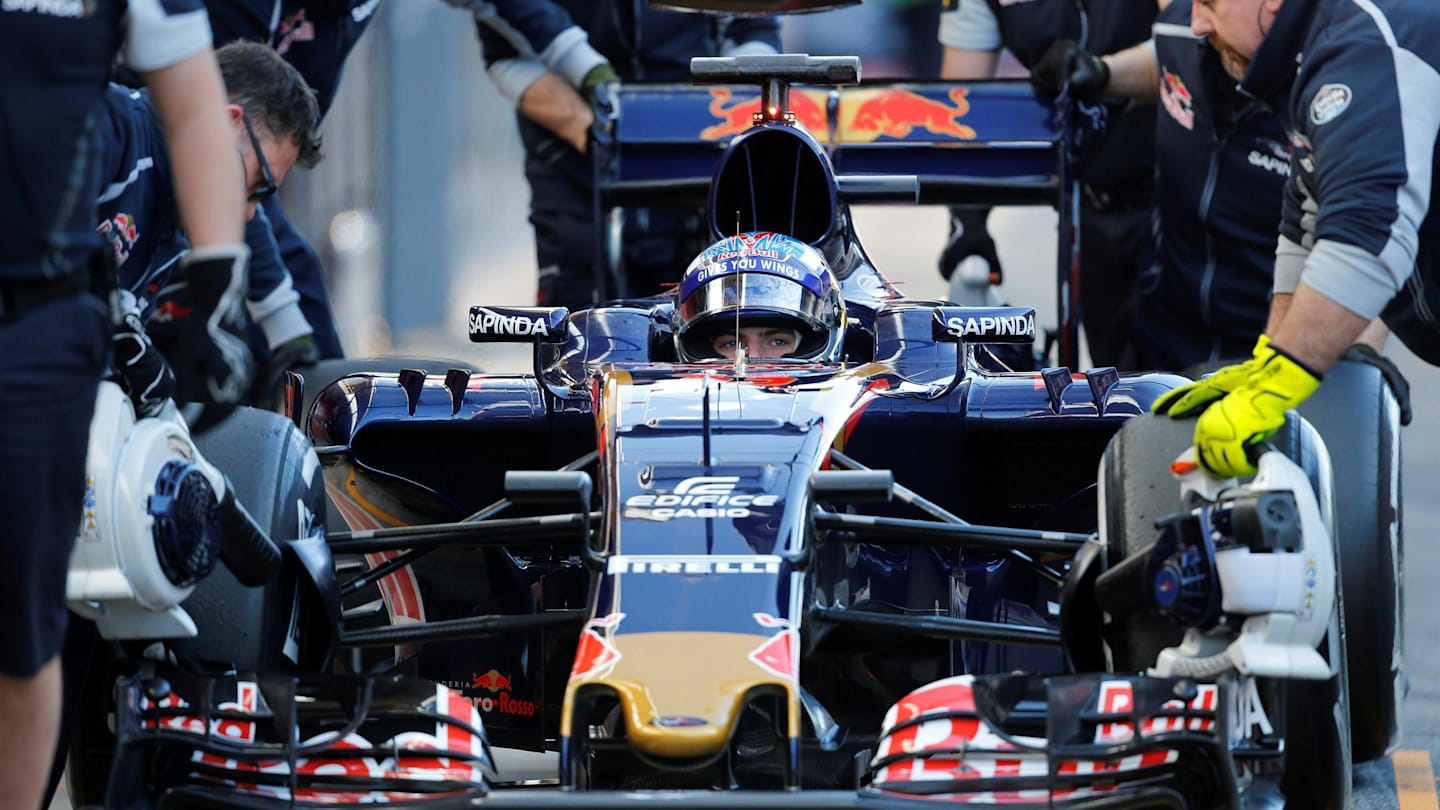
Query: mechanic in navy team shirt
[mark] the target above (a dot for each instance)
(1116, 169)
(552, 58)
(1221, 162)
(316, 37)
(273, 118)
(56, 57)
(1355, 82)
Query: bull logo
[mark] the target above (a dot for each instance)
(896, 113)
(736, 115)
(491, 681)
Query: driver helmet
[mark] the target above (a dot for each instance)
(770, 292)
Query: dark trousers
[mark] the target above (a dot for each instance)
(1167, 341)
(53, 359)
(656, 244)
(1114, 243)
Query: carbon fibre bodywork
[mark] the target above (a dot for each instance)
(972, 442)
(690, 599)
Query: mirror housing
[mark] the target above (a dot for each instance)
(984, 324)
(518, 324)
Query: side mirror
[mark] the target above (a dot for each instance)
(518, 324)
(984, 324)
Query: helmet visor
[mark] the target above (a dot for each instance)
(753, 294)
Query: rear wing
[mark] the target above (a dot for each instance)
(929, 143)
(947, 143)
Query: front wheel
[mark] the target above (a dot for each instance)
(1135, 491)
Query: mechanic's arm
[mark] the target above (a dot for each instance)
(190, 99)
(552, 103)
(1134, 73)
(270, 298)
(965, 64)
(1345, 262)
(971, 36)
(1314, 329)
(536, 30)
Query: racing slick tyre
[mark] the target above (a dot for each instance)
(1359, 418)
(1357, 414)
(277, 627)
(1136, 490)
(283, 625)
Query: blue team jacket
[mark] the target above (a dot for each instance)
(137, 208)
(1356, 82)
(1222, 161)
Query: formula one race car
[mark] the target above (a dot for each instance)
(785, 537)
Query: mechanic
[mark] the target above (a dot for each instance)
(315, 36)
(789, 307)
(273, 116)
(1355, 82)
(554, 70)
(1115, 169)
(56, 58)
(1221, 161)
(271, 119)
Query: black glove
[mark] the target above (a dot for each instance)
(601, 89)
(1066, 63)
(293, 354)
(969, 237)
(1364, 353)
(212, 363)
(139, 367)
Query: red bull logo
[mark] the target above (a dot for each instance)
(170, 310)
(122, 234)
(1176, 99)
(499, 700)
(491, 681)
(870, 114)
(595, 656)
(738, 113)
(294, 28)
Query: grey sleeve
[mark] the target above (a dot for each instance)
(512, 76)
(971, 27)
(1367, 107)
(160, 34)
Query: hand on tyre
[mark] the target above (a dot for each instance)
(1229, 432)
(1190, 400)
(211, 360)
(1399, 386)
(140, 369)
(969, 237)
(1064, 64)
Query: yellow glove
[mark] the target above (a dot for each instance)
(1251, 413)
(1189, 400)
